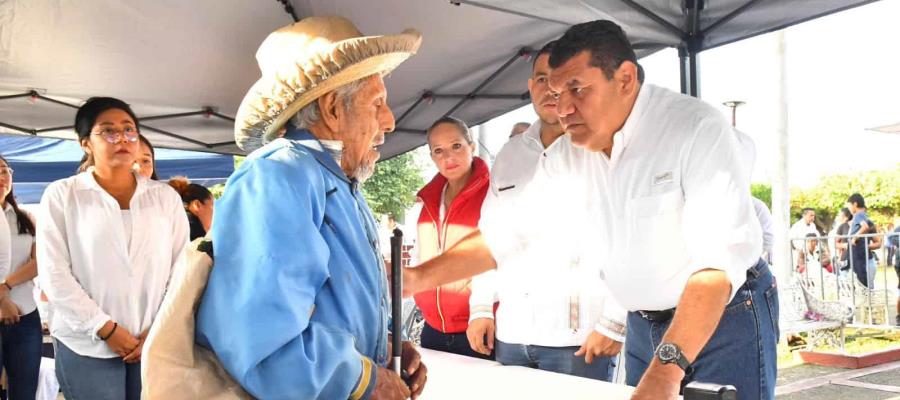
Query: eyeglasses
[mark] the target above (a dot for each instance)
(114, 136)
(6, 172)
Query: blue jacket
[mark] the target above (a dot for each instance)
(297, 303)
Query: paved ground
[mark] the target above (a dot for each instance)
(804, 382)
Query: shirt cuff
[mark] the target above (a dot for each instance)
(612, 330)
(476, 312)
(96, 324)
(366, 383)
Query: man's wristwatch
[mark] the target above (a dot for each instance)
(670, 353)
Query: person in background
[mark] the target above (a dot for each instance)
(861, 256)
(451, 208)
(554, 313)
(813, 258)
(765, 222)
(145, 160)
(198, 203)
(895, 239)
(841, 246)
(107, 242)
(21, 324)
(519, 128)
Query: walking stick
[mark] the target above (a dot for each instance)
(397, 297)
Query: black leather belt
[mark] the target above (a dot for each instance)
(664, 315)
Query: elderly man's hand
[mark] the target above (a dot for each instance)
(389, 386)
(414, 368)
(478, 329)
(598, 345)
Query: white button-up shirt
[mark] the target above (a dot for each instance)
(535, 223)
(86, 267)
(674, 195)
(20, 252)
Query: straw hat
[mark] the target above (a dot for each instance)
(307, 59)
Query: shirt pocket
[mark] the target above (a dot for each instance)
(656, 235)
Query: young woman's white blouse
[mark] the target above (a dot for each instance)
(88, 269)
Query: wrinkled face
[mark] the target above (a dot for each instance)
(542, 98)
(363, 125)
(112, 155)
(592, 108)
(143, 164)
(6, 179)
(451, 154)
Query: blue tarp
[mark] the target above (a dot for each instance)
(39, 161)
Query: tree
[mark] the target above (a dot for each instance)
(762, 191)
(392, 188)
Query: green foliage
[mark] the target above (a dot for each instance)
(217, 190)
(392, 188)
(880, 188)
(762, 191)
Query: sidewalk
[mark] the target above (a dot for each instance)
(807, 381)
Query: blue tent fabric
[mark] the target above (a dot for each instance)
(39, 161)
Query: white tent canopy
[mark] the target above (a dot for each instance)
(185, 65)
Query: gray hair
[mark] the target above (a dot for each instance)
(310, 113)
(458, 123)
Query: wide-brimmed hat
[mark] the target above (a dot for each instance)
(307, 59)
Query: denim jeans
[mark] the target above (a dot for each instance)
(741, 351)
(555, 359)
(88, 378)
(456, 343)
(21, 355)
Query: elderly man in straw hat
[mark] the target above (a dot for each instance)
(297, 304)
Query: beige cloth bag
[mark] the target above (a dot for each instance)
(173, 367)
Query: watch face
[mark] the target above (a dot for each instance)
(667, 352)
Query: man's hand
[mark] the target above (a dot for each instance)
(598, 345)
(389, 386)
(660, 382)
(411, 282)
(478, 329)
(9, 312)
(412, 364)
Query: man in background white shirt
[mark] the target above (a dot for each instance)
(547, 278)
(682, 237)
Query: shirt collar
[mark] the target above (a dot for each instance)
(624, 136)
(321, 153)
(86, 181)
(533, 134)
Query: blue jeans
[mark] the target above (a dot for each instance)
(741, 351)
(88, 378)
(21, 355)
(555, 359)
(456, 343)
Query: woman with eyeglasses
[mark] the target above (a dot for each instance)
(107, 242)
(21, 324)
(451, 208)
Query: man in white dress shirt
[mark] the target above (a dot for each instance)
(682, 238)
(547, 278)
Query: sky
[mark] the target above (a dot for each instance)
(843, 77)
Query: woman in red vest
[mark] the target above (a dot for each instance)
(451, 208)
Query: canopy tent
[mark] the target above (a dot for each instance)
(39, 161)
(185, 66)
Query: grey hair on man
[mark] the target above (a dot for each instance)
(310, 113)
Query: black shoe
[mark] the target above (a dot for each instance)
(897, 320)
